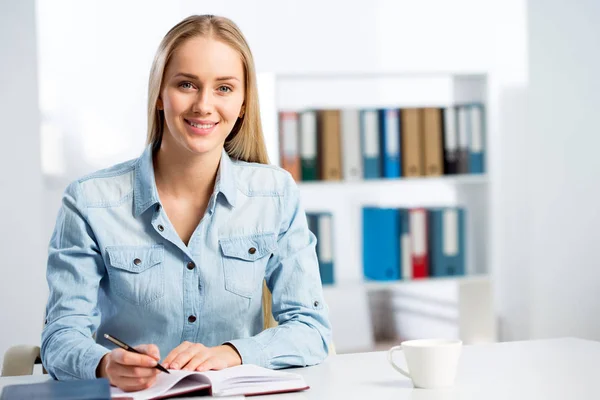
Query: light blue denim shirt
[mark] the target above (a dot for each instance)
(116, 265)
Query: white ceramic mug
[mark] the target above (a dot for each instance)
(432, 363)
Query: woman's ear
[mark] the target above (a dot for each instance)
(242, 111)
(159, 104)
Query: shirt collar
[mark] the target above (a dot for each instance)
(145, 193)
(225, 182)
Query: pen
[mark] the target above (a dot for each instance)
(127, 347)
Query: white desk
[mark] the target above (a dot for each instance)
(542, 369)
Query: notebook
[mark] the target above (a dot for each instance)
(246, 379)
(89, 389)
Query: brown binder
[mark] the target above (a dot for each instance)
(289, 144)
(412, 146)
(433, 142)
(330, 145)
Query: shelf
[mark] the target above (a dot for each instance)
(387, 285)
(401, 192)
(376, 285)
(473, 179)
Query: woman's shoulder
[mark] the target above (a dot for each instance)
(114, 171)
(260, 178)
(106, 184)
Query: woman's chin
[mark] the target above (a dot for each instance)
(204, 148)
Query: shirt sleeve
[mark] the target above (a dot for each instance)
(304, 332)
(74, 270)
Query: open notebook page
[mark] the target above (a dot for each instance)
(177, 382)
(243, 379)
(250, 379)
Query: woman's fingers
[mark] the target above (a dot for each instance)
(214, 363)
(184, 357)
(168, 362)
(135, 372)
(130, 371)
(149, 349)
(196, 361)
(125, 357)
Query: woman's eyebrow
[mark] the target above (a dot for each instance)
(194, 77)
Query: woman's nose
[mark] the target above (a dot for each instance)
(203, 103)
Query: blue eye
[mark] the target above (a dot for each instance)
(227, 89)
(186, 85)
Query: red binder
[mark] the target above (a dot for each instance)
(289, 144)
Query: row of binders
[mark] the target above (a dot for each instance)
(321, 225)
(353, 144)
(409, 243)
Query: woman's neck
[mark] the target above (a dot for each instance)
(185, 176)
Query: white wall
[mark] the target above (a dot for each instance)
(508, 133)
(546, 265)
(22, 282)
(564, 194)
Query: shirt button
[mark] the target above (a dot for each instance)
(161, 228)
(137, 261)
(251, 250)
(191, 265)
(191, 319)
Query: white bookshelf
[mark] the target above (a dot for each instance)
(345, 199)
(379, 285)
(467, 179)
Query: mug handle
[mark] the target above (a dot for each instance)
(391, 361)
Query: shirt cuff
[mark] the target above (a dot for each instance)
(250, 350)
(91, 359)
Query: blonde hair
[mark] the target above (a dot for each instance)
(246, 141)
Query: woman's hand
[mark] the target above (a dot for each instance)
(197, 357)
(130, 371)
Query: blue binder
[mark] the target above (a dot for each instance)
(446, 241)
(381, 244)
(477, 139)
(87, 389)
(371, 149)
(321, 225)
(389, 133)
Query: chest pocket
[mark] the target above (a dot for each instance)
(137, 272)
(244, 262)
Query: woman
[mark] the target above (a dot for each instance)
(169, 251)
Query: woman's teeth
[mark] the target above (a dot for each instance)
(201, 126)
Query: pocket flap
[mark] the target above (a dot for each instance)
(135, 258)
(249, 248)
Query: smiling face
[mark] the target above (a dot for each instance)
(202, 96)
